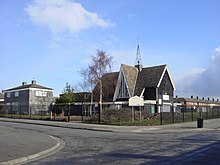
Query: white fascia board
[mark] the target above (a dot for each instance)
(170, 78)
(177, 104)
(164, 103)
(161, 78)
(40, 89)
(120, 102)
(16, 90)
(142, 93)
(150, 102)
(117, 86)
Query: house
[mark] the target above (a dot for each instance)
(29, 98)
(154, 84)
(196, 104)
(1, 98)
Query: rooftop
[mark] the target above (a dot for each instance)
(25, 86)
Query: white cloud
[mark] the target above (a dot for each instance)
(204, 83)
(216, 56)
(64, 15)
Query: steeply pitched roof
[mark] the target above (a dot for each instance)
(109, 81)
(149, 77)
(28, 86)
(130, 74)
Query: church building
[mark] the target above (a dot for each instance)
(154, 84)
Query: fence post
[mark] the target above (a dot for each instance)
(200, 112)
(6, 111)
(218, 112)
(30, 111)
(41, 113)
(140, 112)
(82, 112)
(183, 115)
(172, 111)
(55, 111)
(11, 110)
(207, 113)
(212, 112)
(161, 115)
(99, 113)
(132, 113)
(192, 113)
(20, 111)
(68, 112)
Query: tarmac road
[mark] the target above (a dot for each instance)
(172, 144)
(20, 145)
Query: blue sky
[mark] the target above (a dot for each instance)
(50, 40)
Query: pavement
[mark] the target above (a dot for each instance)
(178, 127)
(209, 125)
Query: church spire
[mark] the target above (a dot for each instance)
(138, 59)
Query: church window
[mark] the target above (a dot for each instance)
(123, 90)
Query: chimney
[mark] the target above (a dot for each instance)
(24, 83)
(33, 82)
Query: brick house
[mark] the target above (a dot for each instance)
(1, 98)
(196, 104)
(28, 98)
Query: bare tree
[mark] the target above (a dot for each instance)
(92, 75)
(87, 84)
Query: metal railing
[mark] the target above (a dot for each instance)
(111, 113)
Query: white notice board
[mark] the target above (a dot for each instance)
(136, 101)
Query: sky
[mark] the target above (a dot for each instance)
(51, 40)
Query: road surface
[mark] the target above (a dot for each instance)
(141, 147)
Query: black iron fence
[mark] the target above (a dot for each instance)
(25, 111)
(116, 114)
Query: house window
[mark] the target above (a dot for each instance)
(16, 94)
(15, 106)
(41, 93)
(8, 94)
